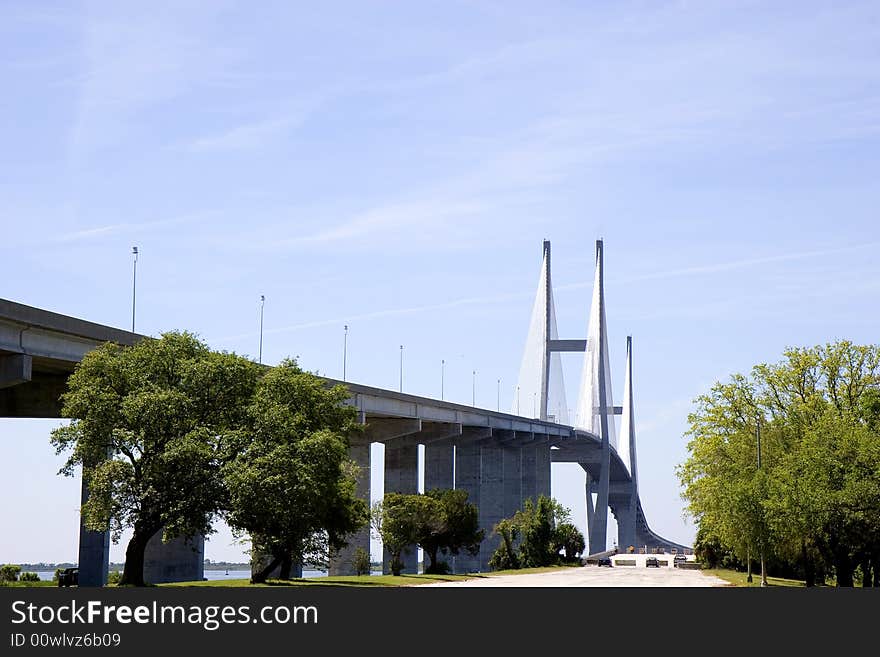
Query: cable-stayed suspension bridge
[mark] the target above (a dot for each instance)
(501, 459)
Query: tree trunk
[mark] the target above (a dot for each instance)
(843, 570)
(261, 575)
(133, 572)
(809, 569)
(510, 553)
(866, 573)
(432, 554)
(286, 565)
(396, 563)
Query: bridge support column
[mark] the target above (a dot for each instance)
(178, 560)
(343, 562)
(529, 476)
(491, 499)
(542, 468)
(402, 476)
(512, 472)
(626, 526)
(94, 551)
(599, 527)
(439, 459)
(467, 477)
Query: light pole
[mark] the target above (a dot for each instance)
(758, 440)
(499, 395)
(262, 303)
(344, 349)
(401, 368)
(134, 252)
(517, 400)
(474, 389)
(534, 404)
(442, 373)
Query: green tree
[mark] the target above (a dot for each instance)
(814, 502)
(452, 524)
(532, 537)
(361, 562)
(505, 555)
(398, 521)
(9, 573)
(290, 483)
(569, 540)
(151, 425)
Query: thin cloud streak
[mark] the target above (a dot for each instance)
(727, 266)
(103, 231)
(378, 314)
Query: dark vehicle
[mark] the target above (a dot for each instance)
(68, 577)
(604, 561)
(651, 562)
(678, 558)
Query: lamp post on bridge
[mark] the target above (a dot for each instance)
(499, 396)
(262, 303)
(401, 368)
(758, 440)
(344, 349)
(517, 400)
(474, 389)
(134, 252)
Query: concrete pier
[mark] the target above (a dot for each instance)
(178, 560)
(542, 468)
(529, 476)
(511, 464)
(439, 464)
(402, 476)
(342, 563)
(491, 499)
(94, 551)
(467, 477)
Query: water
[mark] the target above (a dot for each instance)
(209, 574)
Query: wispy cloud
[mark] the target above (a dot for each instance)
(134, 227)
(379, 314)
(253, 134)
(730, 265)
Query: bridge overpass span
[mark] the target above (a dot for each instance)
(501, 459)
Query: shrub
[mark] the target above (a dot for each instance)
(361, 562)
(113, 578)
(57, 574)
(503, 559)
(29, 577)
(9, 572)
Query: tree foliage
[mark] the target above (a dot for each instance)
(441, 521)
(290, 483)
(150, 427)
(815, 500)
(534, 536)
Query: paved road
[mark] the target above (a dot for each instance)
(596, 576)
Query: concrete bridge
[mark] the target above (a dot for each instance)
(501, 459)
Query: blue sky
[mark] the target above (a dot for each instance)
(395, 166)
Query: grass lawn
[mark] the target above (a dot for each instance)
(739, 579)
(364, 580)
(29, 584)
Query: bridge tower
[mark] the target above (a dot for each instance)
(540, 378)
(627, 511)
(595, 407)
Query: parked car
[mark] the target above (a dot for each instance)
(68, 577)
(604, 561)
(678, 558)
(651, 562)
